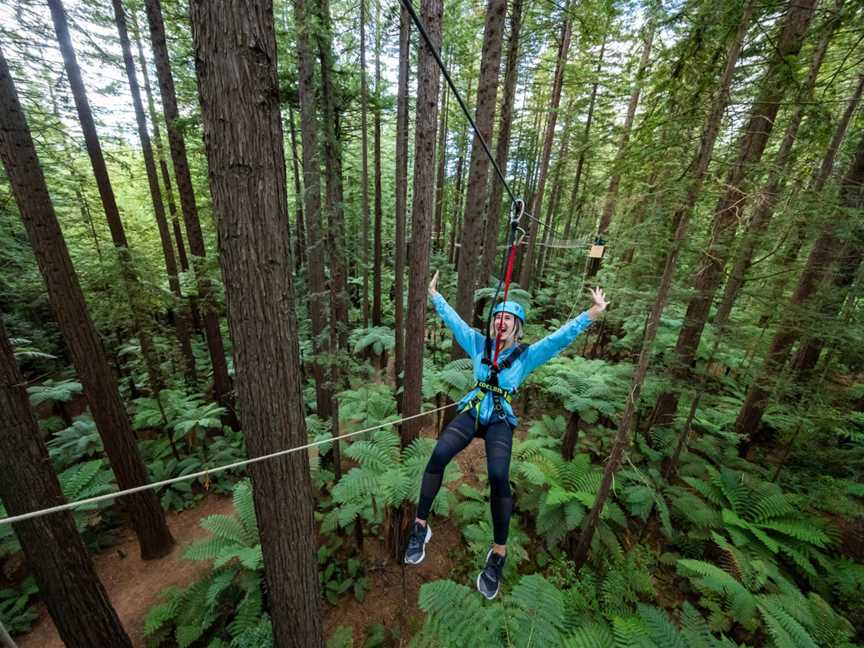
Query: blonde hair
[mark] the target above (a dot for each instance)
(518, 333)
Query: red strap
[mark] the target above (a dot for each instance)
(511, 259)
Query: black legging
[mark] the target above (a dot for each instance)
(454, 439)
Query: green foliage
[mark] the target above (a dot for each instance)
(591, 388)
(376, 338)
(386, 477)
(753, 515)
(78, 442)
(17, 613)
(181, 413)
(338, 577)
(54, 391)
(367, 406)
(179, 495)
(228, 597)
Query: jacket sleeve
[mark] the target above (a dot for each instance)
(554, 343)
(466, 337)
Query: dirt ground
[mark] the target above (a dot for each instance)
(135, 586)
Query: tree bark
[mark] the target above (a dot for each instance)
(177, 145)
(822, 255)
(160, 157)
(681, 220)
(235, 62)
(401, 191)
(318, 294)
(68, 583)
(106, 193)
(377, 258)
(754, 137)
(615, 180)
(180, 320)
(441, 176)
(300, 241)
(334, 203)
(475, 201)
(364, 162)
(421, 217)
(537, 199)
(764, 211)
(505, 128)
(67, 300)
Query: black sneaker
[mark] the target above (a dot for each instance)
(416, 551)
(489, 580)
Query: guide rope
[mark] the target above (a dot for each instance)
(203, 473)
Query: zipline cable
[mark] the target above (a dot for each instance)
(203, 473)
(422, 29)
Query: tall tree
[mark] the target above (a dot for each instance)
(67, 300)
(180, 319)
(106, 193)
(753, 139)
(300, 239)
(55, 552)
(441, 173)
(215, 346)
(318, 295)
(554, 102)
(827, 248)
(160, 157)
(681, 220)
(421, 216)
(364, 161)
(502, 148)
(770, 195)
(239, 95)
(401, 191)
(475, 200)
(334, 203)
(615, 179)
(377, 259)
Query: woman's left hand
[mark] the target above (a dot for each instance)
(600, 302)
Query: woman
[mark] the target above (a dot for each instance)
(485, 412)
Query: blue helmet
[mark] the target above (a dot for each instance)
(511, 307)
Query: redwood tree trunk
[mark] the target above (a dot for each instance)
(235, 62)
(180, 320)
(68, 583)
(764, 211)
(441, 175)
(727, 213)
(377, 258)
(475, 201)
(615, 179)
(823, 253)
(681, 219)
(67, 301)
(221, 379)
(421, 217)
(505, 128)
(537, 199)
(401, 191)
(300, 240)
(318, 295)
(364, 160)
(106, 192)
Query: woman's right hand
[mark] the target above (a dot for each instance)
(433, 285)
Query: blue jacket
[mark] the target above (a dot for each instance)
(473, 342)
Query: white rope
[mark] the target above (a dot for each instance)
(203, 473)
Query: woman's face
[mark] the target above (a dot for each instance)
(505, 324)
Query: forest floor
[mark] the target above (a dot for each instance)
(135, 586)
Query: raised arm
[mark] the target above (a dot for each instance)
(466, 337)
(556, 342)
